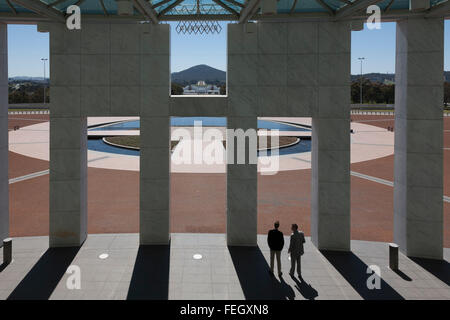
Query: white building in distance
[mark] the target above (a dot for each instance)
(201, 88)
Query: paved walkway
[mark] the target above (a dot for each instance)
(353, 173)
(29, 176)
(367, 143)
(170, 272)
(382, 181)
(285, 196)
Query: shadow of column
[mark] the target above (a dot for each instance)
(253, 273)
(354, 270)
(150, 279)
(42, 279)
(438, 268)
(402, 275)
(3, 266)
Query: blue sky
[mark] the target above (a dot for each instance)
(26, 47)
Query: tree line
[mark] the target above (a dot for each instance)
(373, 92)
(377, 92)
(28, 94)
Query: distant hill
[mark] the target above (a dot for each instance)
(376, 77)
(200, 72)
(215, 76)
(387, 77)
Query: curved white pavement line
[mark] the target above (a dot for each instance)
(367, 143)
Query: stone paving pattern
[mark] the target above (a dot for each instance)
(198, 202)
(170, 272)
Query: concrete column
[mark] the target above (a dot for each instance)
(418, 206)
(96, 71)
(68, 180)
(155, 180)
(4, 185)
(330, 194)
(155, 135)
(242, 110)
(242, 191)
(68, 140)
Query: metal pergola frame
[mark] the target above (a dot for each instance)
(249, 11)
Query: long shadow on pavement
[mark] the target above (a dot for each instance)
(354, 270)
(3, 266)
(402, 275)
(42, 279)
(256, 282)
(150, 279)
(305, 289)
(438, 268)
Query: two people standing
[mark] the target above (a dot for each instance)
(275, 240)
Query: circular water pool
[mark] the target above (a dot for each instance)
(96, 143)
(205, 122)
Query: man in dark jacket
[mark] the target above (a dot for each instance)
(275, 240)
(296, 250)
